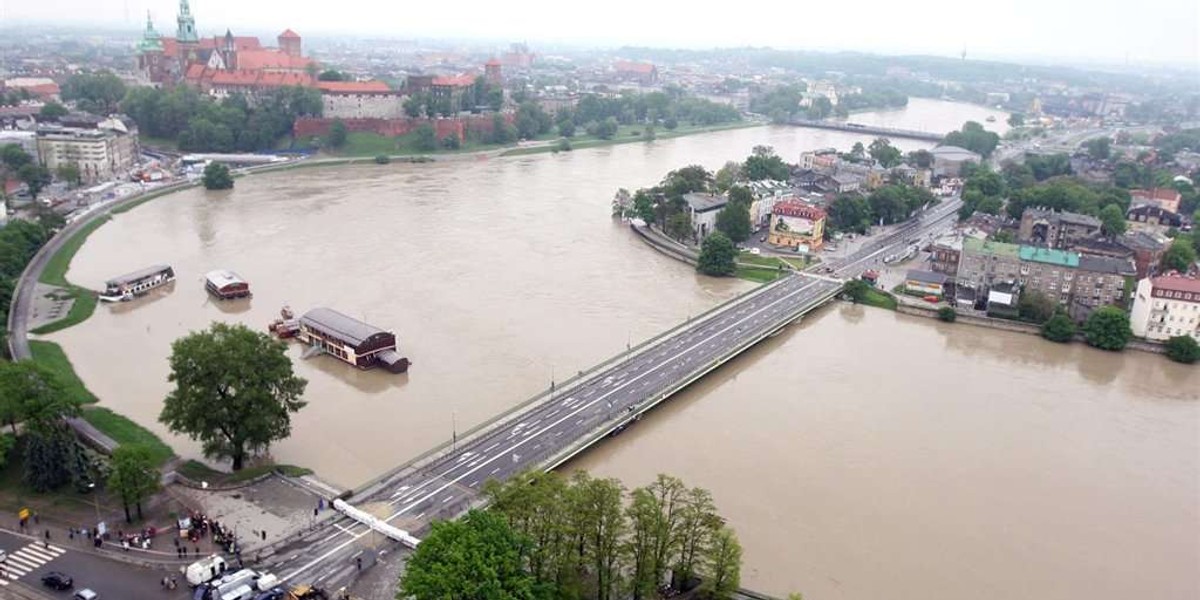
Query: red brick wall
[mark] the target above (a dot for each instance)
(479, 124)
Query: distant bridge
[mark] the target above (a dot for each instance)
(889, 132)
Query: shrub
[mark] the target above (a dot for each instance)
(383, 159)
(1183, 349)
(947, 314)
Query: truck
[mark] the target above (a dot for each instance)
(205, 570)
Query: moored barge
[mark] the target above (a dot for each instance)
(127, 286)
(355, 342)
(226, 285)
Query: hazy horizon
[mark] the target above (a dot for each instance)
(1161, 32)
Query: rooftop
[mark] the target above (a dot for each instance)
(1108, 265)
(705, 202)
(926, 276)
(977, 246)
(954, 153)
(1049, 256)
(1176, 283)
(222, 278)
(343, 326)
(353, 87)
(798, 209)
(139, 274)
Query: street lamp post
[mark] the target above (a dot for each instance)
(95, 502)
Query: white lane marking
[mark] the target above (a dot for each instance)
(803, 287)
(474, 483)
(494, 471)
(490, 448)
(422, 513)
(447, 499)
(343, 528)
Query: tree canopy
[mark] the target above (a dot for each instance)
(217, 177)
(1180, 256)
(201, 124)
(476, 557)
(98, 93)
(885, 153)
(734, 221)
(234, 391)
(133, 477)
(52, 111)
(1107, 328)
(1183, 349)
(717, 255)
(975, 138)
(1059, 328)
(763, 163)
(337, 134)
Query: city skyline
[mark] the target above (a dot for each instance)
(1024, 30)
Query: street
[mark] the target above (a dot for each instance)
(30, 559)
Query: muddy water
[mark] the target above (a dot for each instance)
(970, 461)
(870, 455)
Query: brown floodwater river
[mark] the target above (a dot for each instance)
(860, 454)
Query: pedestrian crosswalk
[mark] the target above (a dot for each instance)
(24, 561)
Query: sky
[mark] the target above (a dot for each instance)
(1108, 31)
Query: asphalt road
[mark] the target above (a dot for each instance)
(452, 483)
(29, 560)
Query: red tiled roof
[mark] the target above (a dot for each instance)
(233, 78)
(170, 47)
(633, 67)
(270, 59)
(1176, 283)
(42, 90)
(195, 72)
(352, 87)
(798, 209)
(289, 34)
(493, 63)
(1167, 194)
(241, 43)
(285, 79)
(456, 81)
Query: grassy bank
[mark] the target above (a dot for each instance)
(629, 134)
(198, 471)
(759, 274)
(115, 426)
(879, 299)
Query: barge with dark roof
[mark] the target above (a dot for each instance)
(127, 286)
(226, 285)
(350, 340)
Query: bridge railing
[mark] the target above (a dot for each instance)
(604, 426)
(470, 437)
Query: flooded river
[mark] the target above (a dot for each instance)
(860, 454)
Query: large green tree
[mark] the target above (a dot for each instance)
(337, 134)
(1059, 328)
(600, 522)
(31, 393)
(975, 138)
(1183, 349)
(234, 391)
(1107, 328)
(1036, 306)
(36, 178)
(52, 111)
(1099, 148)
(734, 221)
(1180, 256)
(724, 567)
(717, 255)
(132, 477)
(1112, 219)
(217, 177)
(763, 163)
(478, 557)
(884, 152)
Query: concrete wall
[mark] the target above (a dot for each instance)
(363, 106)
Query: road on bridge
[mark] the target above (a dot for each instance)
(550, 431)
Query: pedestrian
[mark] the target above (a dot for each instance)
(125, 545)
(197, 551)
(47, 542)
(264, 534)
(37, 519)
(358, 562)
(71, 533)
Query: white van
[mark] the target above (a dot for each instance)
(205, 570)
(243, 592)
(234, 582)
(266, 582)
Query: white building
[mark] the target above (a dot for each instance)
(360, 100)
(106, 152)
(704, 209)
(1165, 307)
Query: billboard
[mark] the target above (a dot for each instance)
(794, 225)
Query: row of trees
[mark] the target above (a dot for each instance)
(98, 93)
(199, 123)
(888, 204)
(19, 241)
(53, 457)
(546, 536)
(16, 162)
(1040, 184)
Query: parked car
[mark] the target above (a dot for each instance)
(86, 594)
(57, 581)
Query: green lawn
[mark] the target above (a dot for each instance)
(880, 299)
(81, 309)
(52, 357)
(123, 431)
(758, 274)
(55, 272)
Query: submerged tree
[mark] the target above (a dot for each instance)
(234, 391)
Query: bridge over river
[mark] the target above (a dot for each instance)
(550, 428)
(890, 132)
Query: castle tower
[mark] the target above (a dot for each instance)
(186, 32)
(229, 52)
(492, 73)
(150, 53)
(289, 43)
